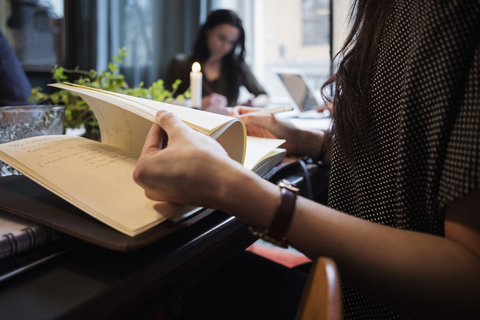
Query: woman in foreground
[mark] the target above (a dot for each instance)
(403, 223)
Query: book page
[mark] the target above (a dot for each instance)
(273, 158)
(258, 149)
(118, 127)
(125, 120)
(95, 177)
(206, 122)
(202, 121)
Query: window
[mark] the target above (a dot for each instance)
(292, 34)
(35, 32)
(274, 34)
(316, 22)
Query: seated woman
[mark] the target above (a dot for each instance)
(402, 221)
(220, 50)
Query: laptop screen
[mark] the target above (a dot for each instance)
(299, 91)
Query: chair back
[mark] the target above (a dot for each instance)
(321, 298)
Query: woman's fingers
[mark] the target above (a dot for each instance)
(156, 139)
(170, 122)
(165, 126)
(241, 110)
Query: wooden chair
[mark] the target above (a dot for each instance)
(321, 299)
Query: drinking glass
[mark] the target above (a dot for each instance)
(20, 122)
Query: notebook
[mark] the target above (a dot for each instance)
(18, 234)
(301, 96)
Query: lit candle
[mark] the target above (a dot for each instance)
(196, 86)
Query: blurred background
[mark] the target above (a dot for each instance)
(292, 34)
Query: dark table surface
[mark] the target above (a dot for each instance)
(72, 279)
(84, 281)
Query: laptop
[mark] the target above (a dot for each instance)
(300, 94)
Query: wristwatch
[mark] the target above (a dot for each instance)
(277, 231)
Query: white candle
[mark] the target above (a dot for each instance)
(196, 86)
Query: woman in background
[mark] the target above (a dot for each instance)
(220, 50)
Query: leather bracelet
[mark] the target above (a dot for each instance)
(282, 218)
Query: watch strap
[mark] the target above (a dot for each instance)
(282, 218)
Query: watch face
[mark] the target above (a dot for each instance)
(287, 184)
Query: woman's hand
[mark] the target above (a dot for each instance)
(327, 106)
(215, 103)
(183, 166)
(180, 165)
(265, 125)
(259, 101)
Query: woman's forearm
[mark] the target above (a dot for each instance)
(410, 271)
(313, 144)
(414, 272)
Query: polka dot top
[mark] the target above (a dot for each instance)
(424, 122)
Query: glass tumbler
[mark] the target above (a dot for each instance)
(20, 122)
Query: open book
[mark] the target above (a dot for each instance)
(97, 177)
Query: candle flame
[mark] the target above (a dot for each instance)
(196, 67)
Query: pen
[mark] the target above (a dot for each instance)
(276, 110)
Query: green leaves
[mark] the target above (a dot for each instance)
(77, 112)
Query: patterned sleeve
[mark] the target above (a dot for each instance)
(461, 170)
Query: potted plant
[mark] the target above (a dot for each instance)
(78, 114)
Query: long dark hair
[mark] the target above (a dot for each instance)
(233, 61)
(352, 78)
